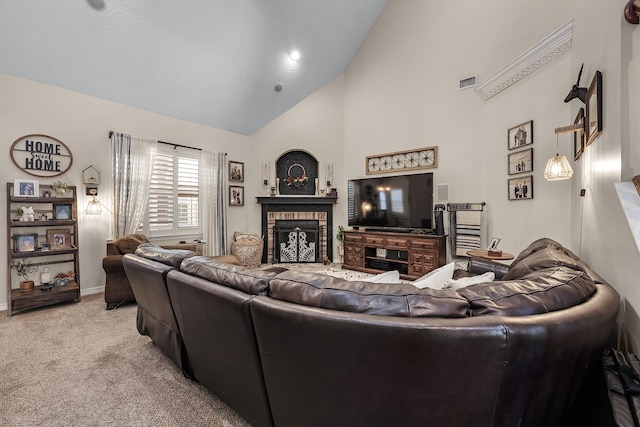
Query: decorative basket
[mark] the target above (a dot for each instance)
(248, 252)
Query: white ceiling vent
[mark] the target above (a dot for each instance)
(467, 82)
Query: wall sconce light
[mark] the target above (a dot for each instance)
(91, 177)
(558, 167)
(94, 207)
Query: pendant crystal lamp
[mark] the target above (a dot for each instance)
(558, 167)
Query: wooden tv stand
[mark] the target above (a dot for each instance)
(413, 255)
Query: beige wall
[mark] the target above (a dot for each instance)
(82, 123)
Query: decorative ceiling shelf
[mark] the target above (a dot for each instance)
(548, 49)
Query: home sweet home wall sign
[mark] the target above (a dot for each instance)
(41, 155)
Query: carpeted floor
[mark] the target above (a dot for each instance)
(81, 365)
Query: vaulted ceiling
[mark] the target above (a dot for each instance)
(215, 62)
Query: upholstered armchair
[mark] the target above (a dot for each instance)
(117, 289)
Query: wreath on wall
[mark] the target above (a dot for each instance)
(296, 176)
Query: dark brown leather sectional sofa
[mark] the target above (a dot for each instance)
(289, 348)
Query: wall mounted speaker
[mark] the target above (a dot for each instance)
(442, 192)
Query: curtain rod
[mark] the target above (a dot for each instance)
(168, 143)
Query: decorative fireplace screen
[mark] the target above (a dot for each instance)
(297, 241)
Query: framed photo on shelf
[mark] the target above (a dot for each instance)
(594, 108)
(521, 161)
(578, 136)
(45, 247)
(59, 238)
(493, 244)
(236, 171)
(26, 188)
(521, 135)
(62, 212)
(25, 242)
(236, 195)
(520, 188)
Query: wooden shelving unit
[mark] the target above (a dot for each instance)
(66, 259)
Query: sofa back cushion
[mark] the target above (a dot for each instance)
(172, 257)
(254, 282)
(541, 258)
(541, 291)
(318, 290)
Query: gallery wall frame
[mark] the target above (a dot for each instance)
(594, 109)
(236, 171)
(236, 195)
(520, 188)
(579, 136)
(520, 135)
(520, 161)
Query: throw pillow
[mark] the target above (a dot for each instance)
(436, 279)
(463, 282)
(386, 277)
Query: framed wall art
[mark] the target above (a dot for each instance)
(578, 136)
(421, 158)
(25, 242)
(59, 238)
(594, 109)
(520, 188)
(521, 161)
(26, 188)
(236, 171)
(236, 195)
(521, 135)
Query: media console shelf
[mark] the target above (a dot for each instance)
(413, 255)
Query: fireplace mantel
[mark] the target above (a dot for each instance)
(315, 208)
(295, 200)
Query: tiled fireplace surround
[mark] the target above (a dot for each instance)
(297, 208)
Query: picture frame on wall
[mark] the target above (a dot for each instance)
(236, 171)
(521, 161)
(236, 195)
(25, 242)
(594, 109)
(520, 136)
(26, 188)
(578, 136)
(520, 188)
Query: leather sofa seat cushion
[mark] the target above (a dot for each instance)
(541, 291)
(543, 258)
(254, 282)
(129, 243)
(403, 300)
(171, 257)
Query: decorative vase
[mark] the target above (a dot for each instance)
(341, 252)
(60, 192)
(26, 286)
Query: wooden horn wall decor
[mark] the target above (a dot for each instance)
(632, 12)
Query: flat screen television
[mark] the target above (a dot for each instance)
(396, 203)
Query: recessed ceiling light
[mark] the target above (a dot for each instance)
(295, 55)
(97, 4)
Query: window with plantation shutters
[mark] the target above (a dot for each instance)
(173, 196)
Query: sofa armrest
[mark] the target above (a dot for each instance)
(478, 265)
(112, 263)
(185, 246)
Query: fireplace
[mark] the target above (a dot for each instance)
(301, 212)
(297, 241)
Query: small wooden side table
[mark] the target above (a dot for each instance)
(485, 254)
